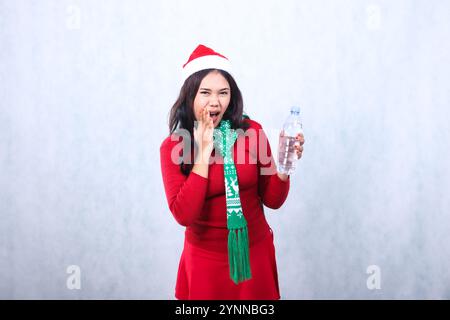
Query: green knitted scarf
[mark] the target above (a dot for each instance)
(238, 244)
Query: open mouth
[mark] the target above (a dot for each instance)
(214, 115)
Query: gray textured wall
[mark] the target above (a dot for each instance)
(85, 89)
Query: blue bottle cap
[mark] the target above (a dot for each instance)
(295, 109)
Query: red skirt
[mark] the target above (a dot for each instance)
(205, 275)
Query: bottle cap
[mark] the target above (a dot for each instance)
(295, 109)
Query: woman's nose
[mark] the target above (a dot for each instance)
(214, 101)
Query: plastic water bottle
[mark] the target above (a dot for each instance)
(287, 156)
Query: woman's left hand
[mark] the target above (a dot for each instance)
(298, 146)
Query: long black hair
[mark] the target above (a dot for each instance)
(182, 112)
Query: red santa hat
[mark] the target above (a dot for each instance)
(205, 58)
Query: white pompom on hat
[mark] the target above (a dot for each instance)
(205, 58)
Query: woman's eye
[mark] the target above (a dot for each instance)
(204, 92)
(224, 93)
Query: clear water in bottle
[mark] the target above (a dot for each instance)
(287, 157)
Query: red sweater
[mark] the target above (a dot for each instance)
(199, 203)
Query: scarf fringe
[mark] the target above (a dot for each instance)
(238, 255)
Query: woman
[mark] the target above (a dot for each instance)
(216, 185)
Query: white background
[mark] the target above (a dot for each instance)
(85, 91)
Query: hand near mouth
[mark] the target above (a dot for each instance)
(203, 136)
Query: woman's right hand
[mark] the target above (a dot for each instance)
(203, 137)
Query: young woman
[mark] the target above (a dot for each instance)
(219, 173)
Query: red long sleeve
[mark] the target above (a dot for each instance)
(185, 195)
(199, 203)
